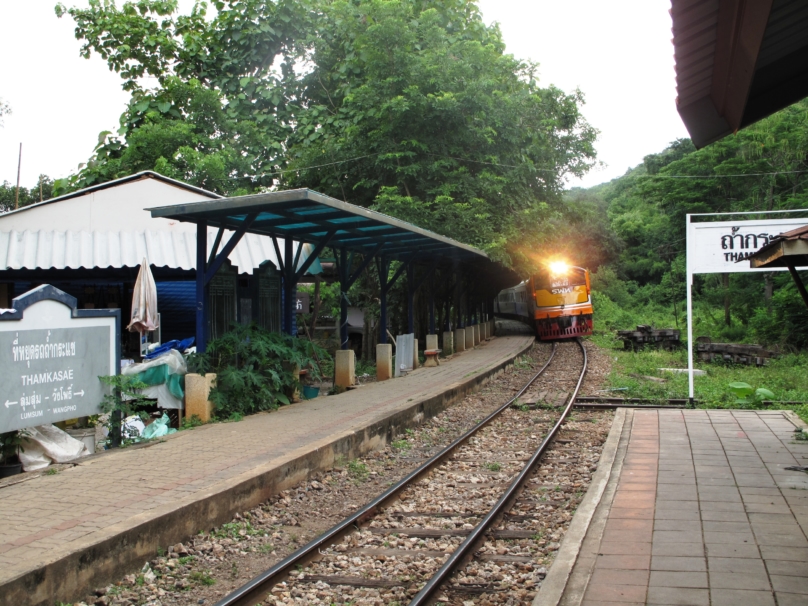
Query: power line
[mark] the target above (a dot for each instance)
(302, 168)
(779, 172)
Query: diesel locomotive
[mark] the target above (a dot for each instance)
(556, 301)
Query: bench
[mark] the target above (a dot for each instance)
(431, 356)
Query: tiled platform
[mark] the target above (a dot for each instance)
(699, 510)
(63, 534)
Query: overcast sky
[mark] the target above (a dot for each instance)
(618, 53)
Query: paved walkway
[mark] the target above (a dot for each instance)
(83, 525)
(699, 511)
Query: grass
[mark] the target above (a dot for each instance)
(786, 377)
(202, 577)
(401, 445)
(237, 531)
(493, 466)
(358, 471)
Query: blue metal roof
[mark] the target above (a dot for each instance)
(307, 216)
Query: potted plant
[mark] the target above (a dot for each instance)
(10, 448)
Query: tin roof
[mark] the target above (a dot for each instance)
(50, 249)
(788, 248)
(737, 62)
(308, 216)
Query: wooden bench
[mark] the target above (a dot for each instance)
(431, 356)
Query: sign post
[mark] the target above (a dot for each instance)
(718, 246)
(51, 355)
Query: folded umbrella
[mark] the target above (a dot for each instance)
(144, 301)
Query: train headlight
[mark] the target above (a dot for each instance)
(559, 268)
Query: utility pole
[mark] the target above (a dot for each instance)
(17, 194)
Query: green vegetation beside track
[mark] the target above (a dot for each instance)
(633, 376)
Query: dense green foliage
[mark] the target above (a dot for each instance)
(408, 106)
(43, 190)
(254, 368)
(761, 168)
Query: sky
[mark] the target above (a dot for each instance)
(618, 53)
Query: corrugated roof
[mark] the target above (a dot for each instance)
(46, 249)
(145, 174)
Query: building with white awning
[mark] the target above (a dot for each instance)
(91, 242)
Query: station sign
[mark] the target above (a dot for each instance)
(51, 355)
(303, 303)
(723, 246)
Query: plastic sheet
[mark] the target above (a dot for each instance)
(48, 444)
(158, 429)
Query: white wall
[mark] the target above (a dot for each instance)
(117, 208)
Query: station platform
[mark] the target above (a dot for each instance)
(62, 535)
(692, 507)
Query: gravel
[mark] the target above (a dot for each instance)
(209, 566)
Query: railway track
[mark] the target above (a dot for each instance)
(406, 547)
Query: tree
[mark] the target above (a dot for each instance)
(43, 190)
(411, 107)
(5, 110)
(218, 117)
(418, 112)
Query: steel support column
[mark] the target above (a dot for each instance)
(432, 306)
(410, 299)
(201, 285)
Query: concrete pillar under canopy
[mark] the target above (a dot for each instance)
(384, 361)
(460, 339)
(448, 343)
(415, 354)
(431, 342)
(344, 368)
(469, 337)
(476, 334)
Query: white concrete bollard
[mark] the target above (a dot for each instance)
(476, 334)
(460, 339)
(431, 342)
(415, 354)
(469, 337)
(345, 368)
(384, 361)
(197, 392)
(448, 343)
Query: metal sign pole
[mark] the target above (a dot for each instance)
(689, 311)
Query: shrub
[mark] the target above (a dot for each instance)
(254, 368)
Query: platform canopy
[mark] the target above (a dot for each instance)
(737, 61)
(307, 216)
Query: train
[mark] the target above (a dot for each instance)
(556, 302)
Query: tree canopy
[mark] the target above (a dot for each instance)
(411, 107)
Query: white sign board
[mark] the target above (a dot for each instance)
(718, 247)
(51, 355)
(722, 247)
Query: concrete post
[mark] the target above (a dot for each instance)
(484, 331)
(469, 337)
(460, 339)
(476, 334)
(448, 343)
(431, 342)
(344, 368)
(384, 361)
(197, 391)
(415, 354)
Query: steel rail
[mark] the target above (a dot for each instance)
(477, 535)
(255, 590)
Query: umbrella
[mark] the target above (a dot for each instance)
(144, 301)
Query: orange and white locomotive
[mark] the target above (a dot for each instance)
(557, 301)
